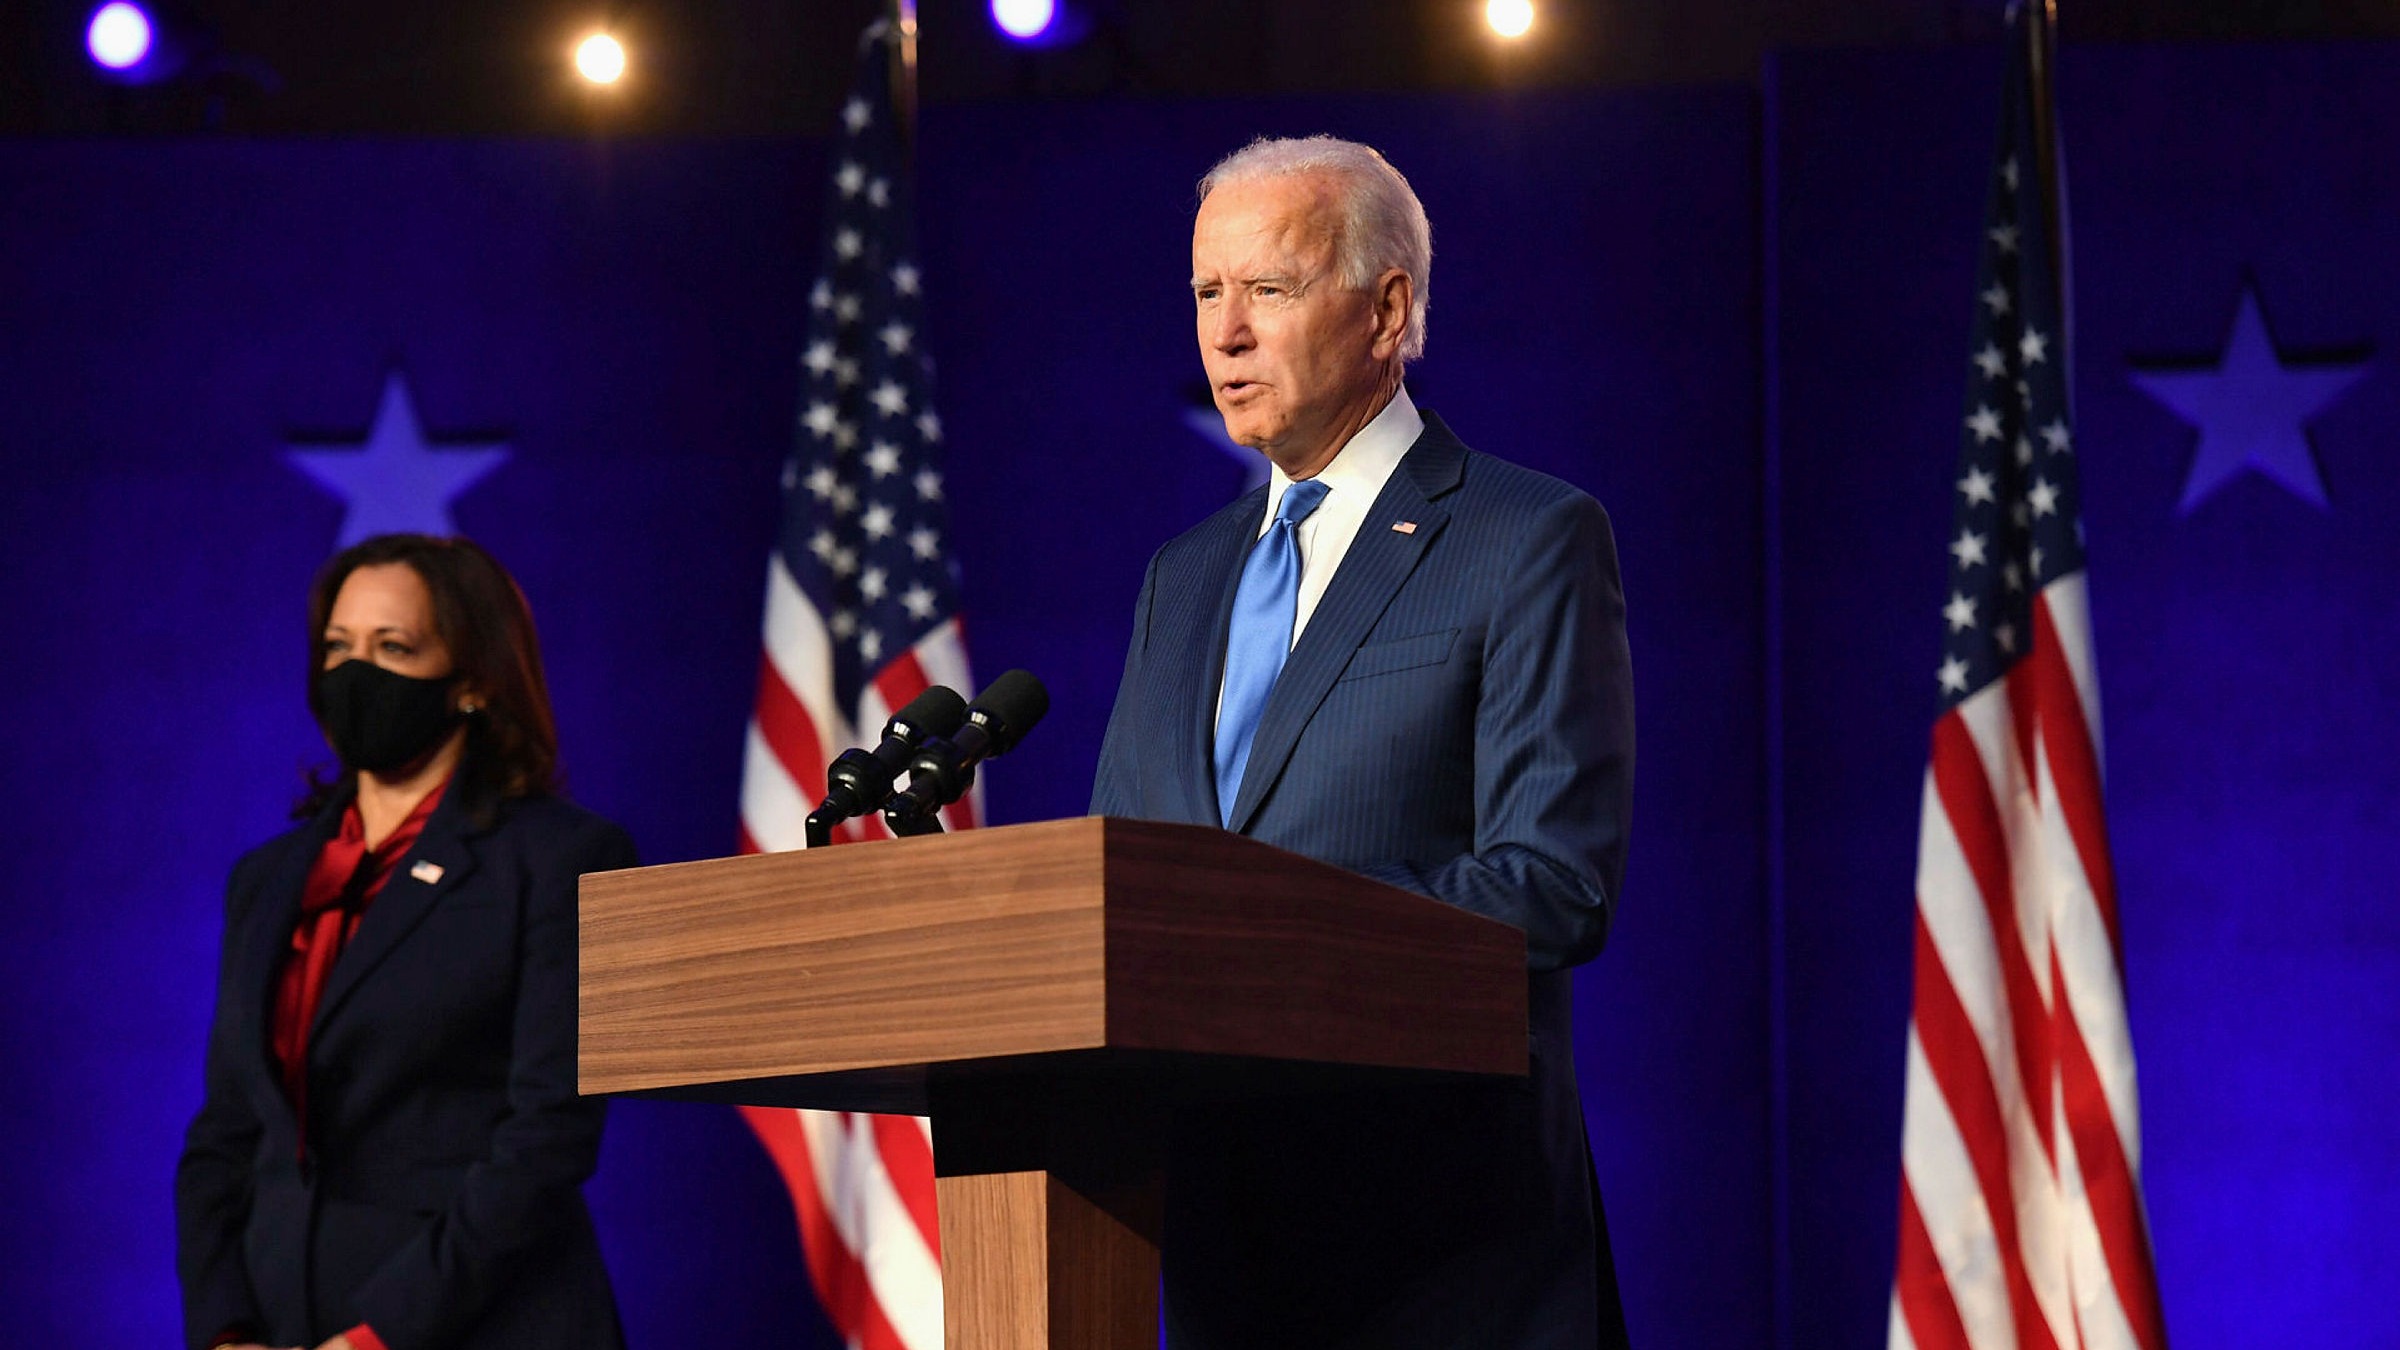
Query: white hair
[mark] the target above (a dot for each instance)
(1383, 224)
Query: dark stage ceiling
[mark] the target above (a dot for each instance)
(777, 67)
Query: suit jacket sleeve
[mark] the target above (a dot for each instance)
(212, 1178)
(1553, 747)
(1116, 785)
(545, 1145)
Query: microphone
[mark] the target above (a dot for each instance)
(860, 781)
(942, 770)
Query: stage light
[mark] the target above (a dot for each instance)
(1024, 20)
(119, 35)
(1509, 18)
(601, 59)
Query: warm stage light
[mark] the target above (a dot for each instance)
(1509, 18)
(1024, 20)
(119, 36)
(601, 59)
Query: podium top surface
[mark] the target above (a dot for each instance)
(850, 977)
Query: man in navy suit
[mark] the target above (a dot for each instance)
(1408, 659)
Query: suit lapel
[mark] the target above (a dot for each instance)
(1199, 660)
(267, 939)
(1380, 558)
(404, 901)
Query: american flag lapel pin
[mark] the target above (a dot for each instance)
(1404, 527)
(427, 872)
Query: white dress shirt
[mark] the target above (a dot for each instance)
(1358, 472)
(1352, 481)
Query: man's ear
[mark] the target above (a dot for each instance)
(1395, 293)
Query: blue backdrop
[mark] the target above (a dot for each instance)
(1738, 318)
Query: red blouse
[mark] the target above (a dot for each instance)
(344, 881)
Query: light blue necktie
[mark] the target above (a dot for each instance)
(1264, 609)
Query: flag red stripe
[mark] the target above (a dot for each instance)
(2074, 768)
(875, 1330)
(2024, 718)
(908, 1159)
(832, 1266)
(1923, 1291)
(1956, 1058)
(901, 680)
(2108, 1180)
(840, 1278)
(1965, 789)
(784, 723)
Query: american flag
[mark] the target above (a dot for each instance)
(2021, 1217)
(862, 615)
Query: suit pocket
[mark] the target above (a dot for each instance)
(1425, 649)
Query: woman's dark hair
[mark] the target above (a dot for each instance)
(482, 617)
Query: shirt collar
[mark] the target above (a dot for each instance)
(1360, 468)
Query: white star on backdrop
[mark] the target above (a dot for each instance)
(396, 481)
(2250, 411)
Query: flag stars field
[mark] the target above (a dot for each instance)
(1977, 486)
(862, 616)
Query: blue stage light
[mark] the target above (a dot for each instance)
(118, 36)
(1024, 20)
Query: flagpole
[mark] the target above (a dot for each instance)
(904, 72)
(2041, 40)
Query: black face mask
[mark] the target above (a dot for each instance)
(379, 720)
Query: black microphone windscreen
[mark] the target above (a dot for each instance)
(1014, 702)
(939, 711)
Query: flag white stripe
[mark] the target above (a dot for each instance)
(1962, 937)
(1943, 1178)
(802, 651)
(772, 808)
(1990, 721)
(2094, 993)
(1963, 941)
(2099, 1312)
(874, 1226)
(2069, 600)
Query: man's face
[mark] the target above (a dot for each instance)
(1291, 352)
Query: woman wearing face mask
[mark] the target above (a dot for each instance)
(389, 1147)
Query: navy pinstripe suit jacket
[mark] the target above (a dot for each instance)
(1457, 720)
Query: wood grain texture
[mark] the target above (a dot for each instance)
(869, 955)
(1068, 936)
(1253, 951)
(1044, 988)
(1031, 1263)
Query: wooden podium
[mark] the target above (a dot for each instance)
(1048, 994)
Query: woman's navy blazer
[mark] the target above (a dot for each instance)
(438, 1200)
